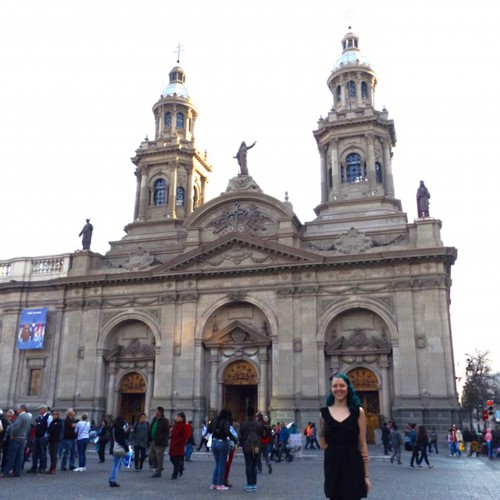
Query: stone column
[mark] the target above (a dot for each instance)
(111, 399)
(189, 193)
(144, 195)
(173, 194)
(198, 351)
(149, 387)
(385, 393)
(388, 178)
(263, 380)
(321, 367)
(372, 180)
(137, 194)
(324, 174)
(214, 360)
(334, 159)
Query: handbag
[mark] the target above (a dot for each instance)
(118, 449)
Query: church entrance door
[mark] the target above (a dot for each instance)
(366, 385)
(240, 388)
(132, 396)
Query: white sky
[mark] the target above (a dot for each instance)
(79, 80)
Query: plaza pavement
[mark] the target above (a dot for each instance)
(451, 478)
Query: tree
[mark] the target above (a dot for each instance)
(480, 386)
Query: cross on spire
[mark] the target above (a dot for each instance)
(179, 48)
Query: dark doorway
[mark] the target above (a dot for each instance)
(238, 398)
(131, 405)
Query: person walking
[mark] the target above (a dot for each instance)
(396, 443)
(422, 445)
(342, 434)
(119, 437)
(140, 434)
(204, 438)
(103, 434)
(158, 440)
(386, 433)
(54, 437)
(178, 439)
(82, 430)
(190, 443)
(433, 438)
(250, 434)
(219, 428)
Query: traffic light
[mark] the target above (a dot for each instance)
(485, 415)
(491, 409)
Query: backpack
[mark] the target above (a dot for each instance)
(252, 443)
(408, 446)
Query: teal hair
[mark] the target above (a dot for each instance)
(353, 401)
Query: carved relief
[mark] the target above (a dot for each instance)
(240, 373)
(353, 242)
(136, 260)
(133, 383)
(363, 379)
(242, 219)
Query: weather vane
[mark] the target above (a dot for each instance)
(179, 48)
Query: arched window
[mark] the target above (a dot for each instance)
(179, 199)
(160, 193)
(364, 90)
(180, 120)
(378, 172)
(355, 171)
(330, 181)
(168, 119)
(351, 88)
(339, 94)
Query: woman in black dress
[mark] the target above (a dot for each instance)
(342, 434)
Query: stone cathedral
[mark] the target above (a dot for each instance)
(233, 301)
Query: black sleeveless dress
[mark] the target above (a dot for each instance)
(344, 470)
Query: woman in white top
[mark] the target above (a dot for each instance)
(82, 430)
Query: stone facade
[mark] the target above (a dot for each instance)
(234, 301)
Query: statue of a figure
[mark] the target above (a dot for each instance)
(423, 197)
(86, 234)
(241, 156)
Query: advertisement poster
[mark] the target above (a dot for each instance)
(32, 328)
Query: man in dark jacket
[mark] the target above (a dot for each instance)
(158, 440)
(250, 434)
(54, 433)
(42, 423)
(69, 440)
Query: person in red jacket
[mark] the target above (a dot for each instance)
(178, 439)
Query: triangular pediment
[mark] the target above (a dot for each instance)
(236, 253)
(237, 333)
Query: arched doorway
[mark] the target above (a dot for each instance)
(132, 396)
(366, 384)
(240, 388)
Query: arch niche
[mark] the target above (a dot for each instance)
(237, 350)
(360, 337)
(129, 368)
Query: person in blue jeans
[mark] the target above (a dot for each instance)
(250, 434)
(412, 435)
(120, 437)
(18, 432)
(69, 440)
(422, 445)
(220, 429)
(82, 430)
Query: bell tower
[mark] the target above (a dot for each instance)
(171, 173)
(355, 143)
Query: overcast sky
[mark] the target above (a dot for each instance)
(79, 80)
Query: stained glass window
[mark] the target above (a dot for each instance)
(378, 172)
(160, 192)
(355, 171)
(351, 88)
(179, 199)
(180, 120)
(168, 119)
(364, 90)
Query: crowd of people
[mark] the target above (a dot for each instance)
(65, 439)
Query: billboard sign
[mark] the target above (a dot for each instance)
(32, 328)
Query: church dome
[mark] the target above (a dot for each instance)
(350, 53)
(176, 85)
